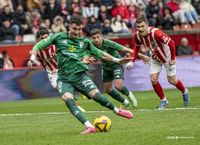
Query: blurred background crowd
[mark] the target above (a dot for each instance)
(21, 19)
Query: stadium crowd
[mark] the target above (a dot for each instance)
(21, 17)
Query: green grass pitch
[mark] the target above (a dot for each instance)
(48, 122)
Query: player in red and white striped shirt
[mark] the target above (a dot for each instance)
(47, 58)
(162, 51)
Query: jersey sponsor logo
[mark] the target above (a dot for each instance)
(70, 54)
(72, 48)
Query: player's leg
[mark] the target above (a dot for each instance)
(114, 94)
(86, 85)
(53, 81)
(155, 69)
(171, 77)
(67, 90)
(118, 82)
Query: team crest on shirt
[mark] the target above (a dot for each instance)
(81, 44)
(64, 41)
(72, 48)
(165, 38)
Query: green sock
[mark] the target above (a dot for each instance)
(115, 95)
(70, 103)
(124, 91)
(98, 97)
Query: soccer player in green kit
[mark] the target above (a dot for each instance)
(71, 50)
(113, 72)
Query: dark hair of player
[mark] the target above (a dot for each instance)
(41, 31)
(76, 20)
(141, 19)
(96, 31)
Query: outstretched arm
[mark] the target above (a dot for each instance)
(43, 44)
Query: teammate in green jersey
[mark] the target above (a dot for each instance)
(113, 72)
(70, 50)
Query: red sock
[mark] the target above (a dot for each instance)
(159, 91)
(180, 86)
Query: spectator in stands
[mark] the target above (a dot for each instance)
(184, 48)
(21, 21)
(121, 10)
(133, 14)
(118, 25)
(168, 20)
(64, 10)
(34, 21)
(106, 28)
(189, 11)
(5, 61)
(46, 24)
(107, 3)
(177, 12)
(75, 8)
(90, 9)
(34, 4)
(8, 15)
(104, 14)
(140, 10)
(58, 25)
(4, 3)
(92, 23)
(152, 12)
(7, 34)
(51, 10)
(196, 5)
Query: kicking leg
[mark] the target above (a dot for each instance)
(101, 99)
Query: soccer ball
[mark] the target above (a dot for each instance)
(102, 123)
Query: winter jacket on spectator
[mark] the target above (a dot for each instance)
(6, 32)
(121, 10)
(104, 14)
(92, 23)
(184, 48)
(51, 10)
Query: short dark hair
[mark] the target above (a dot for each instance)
(41, 31)
(141, 19)
(76, 20)
(96, 31)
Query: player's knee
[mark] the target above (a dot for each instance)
(65, 96)
(108, 90)
(93, 92)
(154, 80)
(172, 81)
(118, 86)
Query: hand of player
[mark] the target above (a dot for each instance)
(87, 60)
(172, 62)
(30, 63)
(125, 60)
(146, 59)
(92, 59)
(129, 65)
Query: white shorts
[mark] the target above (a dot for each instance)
(53, 79)
(156, 67)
